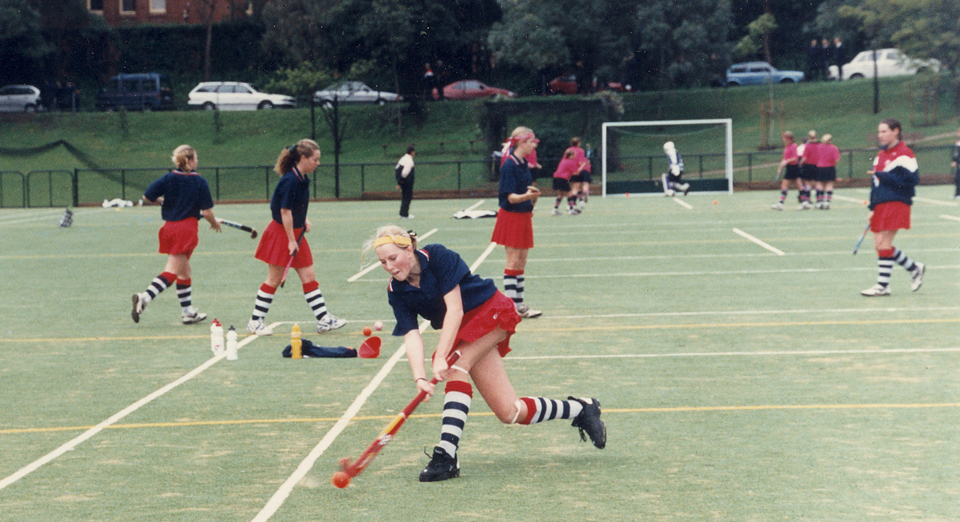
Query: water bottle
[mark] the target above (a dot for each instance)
(216, 338)
(296, 344)
(232, 346)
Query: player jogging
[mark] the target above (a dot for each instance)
(894, 176)
(184, 197)
(671, 179)
(477, 320)
(284, 241)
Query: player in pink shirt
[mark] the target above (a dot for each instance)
(828, 155)
(569, 166)
(789, 167)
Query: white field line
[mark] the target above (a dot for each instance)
(757, 241)
(741, 354)
(475, 205)
(936, 202)
(953, 218)
(720, 272)
(115, 418)
(845, 198)
(804, 312)
(278, 498)
(682, 203)
(366, 270)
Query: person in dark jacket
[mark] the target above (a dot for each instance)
(894, 176)
(404, 173)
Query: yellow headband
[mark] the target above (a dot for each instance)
(397, 240)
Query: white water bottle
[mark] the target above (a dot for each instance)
(216, 338)
(232, 346)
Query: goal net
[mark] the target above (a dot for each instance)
(633, 158)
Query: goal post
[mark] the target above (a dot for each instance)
(632, 157)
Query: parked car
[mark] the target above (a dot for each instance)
(19, 98)
(890, 62)
(759, 73)
(354, 92)
(235, 96)
(471, 89)
(139, 92)
(568, 85)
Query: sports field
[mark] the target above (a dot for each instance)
(741, 374)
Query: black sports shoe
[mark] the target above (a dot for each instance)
(589, 421)
(441, 467)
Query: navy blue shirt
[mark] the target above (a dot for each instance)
(293, 193)
(441, 270)
(515, 177)
(184, 195)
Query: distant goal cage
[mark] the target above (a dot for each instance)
(632, 156)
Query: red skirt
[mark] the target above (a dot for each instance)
(513, 229)
(273, 250)
(498, 311)
(179, 237)
(892, 215)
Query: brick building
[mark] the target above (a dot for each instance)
(133, 12)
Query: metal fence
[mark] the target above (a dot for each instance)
(65, 188)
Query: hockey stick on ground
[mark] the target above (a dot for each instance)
(348, 469)
(289, 263)
(240, 226)
(860, 241)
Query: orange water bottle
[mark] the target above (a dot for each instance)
(296, 345)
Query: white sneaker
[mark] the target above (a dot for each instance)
(527, 312)
(574, 212)
(139, 305)
(408, 216)
(685, 188)
(258, 328)
(668, 193)
(804, 206)
(777, 206)
(918, 277)
(330, 322)
(555, 212)
(192, 317)
(876, 290)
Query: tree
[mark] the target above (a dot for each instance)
(22, 46)
(931, 29)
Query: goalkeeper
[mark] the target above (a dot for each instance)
(671, 179)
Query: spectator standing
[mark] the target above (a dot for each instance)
(826, 58)
(429, 83)
(404, 172)
(814, 57)
(956, 165)
(839, 56)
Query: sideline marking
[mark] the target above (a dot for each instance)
(954, 218)
(70, 445)
(278, 498)
(366, 270)
(936, 202)
(744, 325)
(475, 205)
(682, 203)
(851, 200)
(757, 241)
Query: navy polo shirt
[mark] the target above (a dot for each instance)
(441, 270)
(292, 192)
(184, 195)
(515, 177)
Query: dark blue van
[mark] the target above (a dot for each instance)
(136, 92)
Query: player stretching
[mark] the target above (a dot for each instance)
(671, 179)
(476, 319)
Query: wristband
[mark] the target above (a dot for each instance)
(420, 379)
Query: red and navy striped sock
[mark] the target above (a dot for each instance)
(541, 410)
(185, 294)
(456, 406)
(262, 304)
(159, 284)
(311, 292)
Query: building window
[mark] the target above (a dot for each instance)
(95, 5)
(128, 6)
(158, 6)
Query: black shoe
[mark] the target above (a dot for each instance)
(589, 421)
(441, 467)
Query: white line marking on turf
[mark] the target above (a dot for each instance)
(115, 418)
(738, 354)
(306, 465)
(475, 205)
(719, 272)
(682, 203)
(953, 218)
(845, 198)
(371, 266)
(754, 312)
(757, 241)
(936, 202)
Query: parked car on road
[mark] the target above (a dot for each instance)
(19, 98)
(568, 85)
(138, 92)
(354, 92)
(235, 96)
(890, 62)
(471, 89)
(759, 73)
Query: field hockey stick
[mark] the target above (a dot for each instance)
(860, 241)
(356, 467)
(240, 226)
(293, 255)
